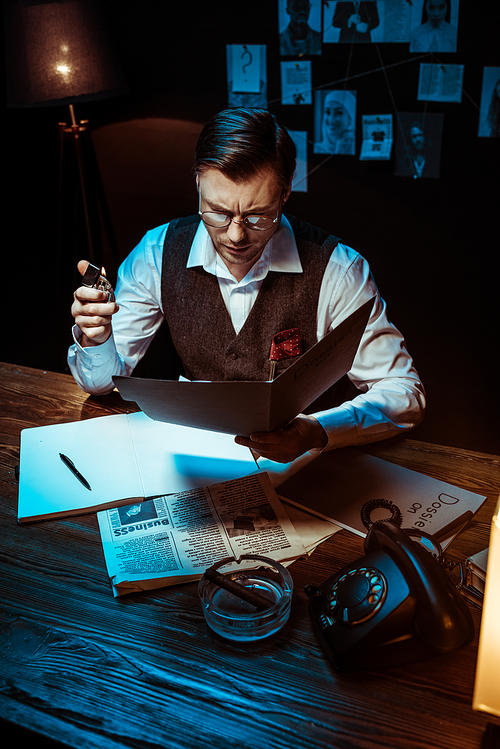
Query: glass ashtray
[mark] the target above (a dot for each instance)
(237, 619)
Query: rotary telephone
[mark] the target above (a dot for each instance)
(393, 606)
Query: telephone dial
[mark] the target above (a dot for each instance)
(393, 606)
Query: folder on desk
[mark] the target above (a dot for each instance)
(243, 407)
(339, 484)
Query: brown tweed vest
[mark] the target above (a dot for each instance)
(200, 325)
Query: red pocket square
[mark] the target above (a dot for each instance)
(286, 345)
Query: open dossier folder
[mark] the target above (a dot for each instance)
(243, 407)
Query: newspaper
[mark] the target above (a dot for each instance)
(377, 137)
(174, 538)
(440, 82)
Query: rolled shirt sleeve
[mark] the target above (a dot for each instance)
(392, 397)
(138, 292)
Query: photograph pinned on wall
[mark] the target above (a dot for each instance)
(418, 144)
(246, 75)
(335, 122)
(382, 21)
(299, 182)
(440, 82)
(376, 144)
(434, 25)
(489, 113)
(296, 87)
(299, 27)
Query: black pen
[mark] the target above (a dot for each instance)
(69, 463)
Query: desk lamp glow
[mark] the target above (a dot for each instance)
(487, 685)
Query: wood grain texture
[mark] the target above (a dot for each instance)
(144, 671)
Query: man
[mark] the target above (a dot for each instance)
(355, 21)
(226, 284)
(298, 38)
(417, 155)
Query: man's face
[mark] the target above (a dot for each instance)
(436, 11)
(239, 246)
(417, 138)
(298, 10)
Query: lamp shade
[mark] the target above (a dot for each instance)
(58, 53)
(487, 684)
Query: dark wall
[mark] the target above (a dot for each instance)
(432, 243)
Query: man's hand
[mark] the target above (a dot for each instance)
(302, 434)
(92, 312)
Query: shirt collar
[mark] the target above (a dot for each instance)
(280, 254)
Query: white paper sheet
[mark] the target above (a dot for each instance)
(123, 457)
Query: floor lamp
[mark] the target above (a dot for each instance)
(57, 54)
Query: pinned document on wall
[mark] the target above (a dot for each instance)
(377, 137)
(440, 82)
(246, 75)
(245, 68)
(296, 85)
(489, 115)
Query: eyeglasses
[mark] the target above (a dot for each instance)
(221, 220)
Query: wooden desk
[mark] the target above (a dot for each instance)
(144, 670)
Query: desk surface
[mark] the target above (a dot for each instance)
(144, 670)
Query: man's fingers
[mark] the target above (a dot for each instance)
(94, 303)
(260, 440)
(92, 321)
(82, 266)
(92, 309)
(284, 445)
(95, 333)
(268, 438)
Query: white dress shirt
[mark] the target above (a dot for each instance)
(392, 397)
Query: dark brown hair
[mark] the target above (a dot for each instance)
(240, 142)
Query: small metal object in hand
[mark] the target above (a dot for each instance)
(95, 278)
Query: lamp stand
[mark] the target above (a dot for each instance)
(84, 220)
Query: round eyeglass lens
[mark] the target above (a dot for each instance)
(259, 222)
(215, 219)
(221, 220)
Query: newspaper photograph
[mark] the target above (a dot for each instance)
(174, 538)
(440, 82)
(382, 21)
(377, 137)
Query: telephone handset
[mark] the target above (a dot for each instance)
(395, 605)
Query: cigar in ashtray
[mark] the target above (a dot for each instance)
(250, 595)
